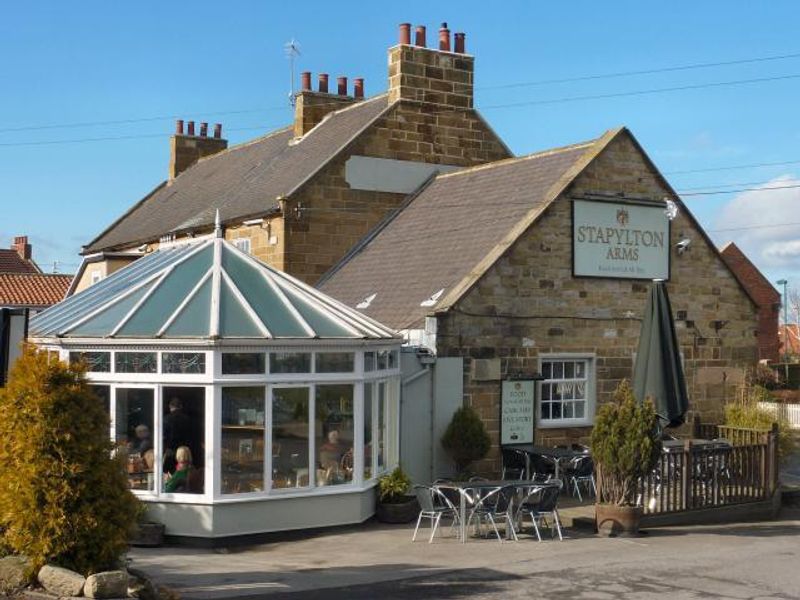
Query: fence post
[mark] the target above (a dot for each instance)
(772, 458)
(686, 475)
(696, 427)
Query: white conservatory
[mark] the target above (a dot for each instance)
(244, 400)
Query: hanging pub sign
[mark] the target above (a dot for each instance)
(516, 412)
(620, 241)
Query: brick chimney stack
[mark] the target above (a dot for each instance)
(186, 149)
(23, 248)
(441, 77)
(310, 106)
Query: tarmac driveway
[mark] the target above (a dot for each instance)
(752, 561)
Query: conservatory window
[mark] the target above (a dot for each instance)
(96, 362)
(135, 408)
(242, 439)
(184, 363)
(369, 361)
(394, 359)
(135, 362)
(368, 429)
(183, 435)
(290, 362)
(335, 362)
(103, 393)
(243, 363)
(382, 437)
(290, 437)
(334, 433)
(383, 360)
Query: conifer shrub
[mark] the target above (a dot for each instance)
(63, 498)
(466, 439)
(625, 445)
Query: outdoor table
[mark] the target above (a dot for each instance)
(556, 455)
(463, 487)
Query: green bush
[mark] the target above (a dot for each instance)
(63, 498)
(625, 445)
(746, 413)
(466, 439)
(394, 486)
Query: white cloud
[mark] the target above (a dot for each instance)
(765, 224)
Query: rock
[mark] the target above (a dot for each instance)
(61, 582)
(13, 573)
(108, 584)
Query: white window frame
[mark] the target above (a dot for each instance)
(591, 396)
(243, 244)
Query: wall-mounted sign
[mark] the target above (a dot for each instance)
(516, 412)
(621, 241)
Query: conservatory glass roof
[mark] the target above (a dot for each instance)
(208, 289)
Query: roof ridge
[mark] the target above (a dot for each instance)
(240, 146)
(339, 111)
(515, 159)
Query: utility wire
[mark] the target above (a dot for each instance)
(734, 167)
(642, 72)
(501, 86)
(737, 191)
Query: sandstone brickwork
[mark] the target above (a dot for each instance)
(529, 304)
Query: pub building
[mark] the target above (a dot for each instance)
(409, 209)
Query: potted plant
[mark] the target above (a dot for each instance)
(625, 445)
(147, 533)
(394, 503)
(466, 440)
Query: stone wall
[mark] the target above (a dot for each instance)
(529, 304)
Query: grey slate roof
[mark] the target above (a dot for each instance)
(443, 236)
(242, 181)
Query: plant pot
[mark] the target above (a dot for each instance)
(148, 535)
(404, 511)
(613, 520)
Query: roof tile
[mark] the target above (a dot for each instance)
(32, 289)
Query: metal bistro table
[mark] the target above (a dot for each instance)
(554, 455)
(464, 487)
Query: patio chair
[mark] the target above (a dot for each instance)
(581, 471)
(434, 506)
(540, 504)
(497, 505)
(514, 464)
(541, 467)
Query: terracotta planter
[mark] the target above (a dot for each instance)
(397, 512)
(148, 535)
(613, 520)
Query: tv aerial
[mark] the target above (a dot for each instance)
(292, 49)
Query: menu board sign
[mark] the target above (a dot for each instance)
(516, 412)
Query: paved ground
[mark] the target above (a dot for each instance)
(748, 561)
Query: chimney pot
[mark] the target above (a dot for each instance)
(358, 87)
(305, 81)
(405, 33)
(419, 38)
(179, 127)
(444, 38)
(190, 128)
(22, 246)
(323, 83)
(341, 84)
(218, 130)
(203, 129)
(460, 43)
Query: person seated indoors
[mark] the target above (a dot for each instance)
(331, 451)
(143, 441)
(178, 481)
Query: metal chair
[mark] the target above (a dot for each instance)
(514, 463)
(541, 504)
(497, 505)
(581, 471)
(541, 467)
(433, 505)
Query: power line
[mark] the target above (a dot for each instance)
(642, 72)
(677, 88)
(128, 121)
(722, 185)
(749, 227)
(737, 191)
(734, 167)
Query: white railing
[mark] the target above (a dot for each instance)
(789, 411)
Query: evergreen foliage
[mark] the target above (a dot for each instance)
(625, 445)
(466, 439)
(394, 486)
(63, 498)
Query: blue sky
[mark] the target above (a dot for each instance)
(90, 61)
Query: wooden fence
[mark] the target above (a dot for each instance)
(694, 475)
